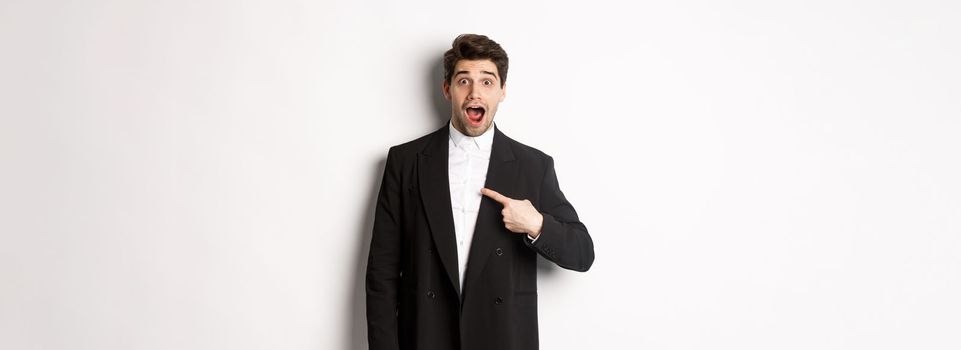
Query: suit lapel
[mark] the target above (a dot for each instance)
(435, 193)
(501, 176)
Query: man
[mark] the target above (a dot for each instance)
(448, 267)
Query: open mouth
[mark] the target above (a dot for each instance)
(475, 115)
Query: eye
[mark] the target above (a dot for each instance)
(488, 82)
(462, 81)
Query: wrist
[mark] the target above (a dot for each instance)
(536, 230)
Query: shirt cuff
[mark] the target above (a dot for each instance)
(534, 239)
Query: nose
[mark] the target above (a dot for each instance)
(471, 93)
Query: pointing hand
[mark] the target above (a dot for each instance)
(519, 215)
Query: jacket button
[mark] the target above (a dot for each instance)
(430, 294)
(499, 252)
(498, 300)
(430, 250)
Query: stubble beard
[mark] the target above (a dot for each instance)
(464, 127)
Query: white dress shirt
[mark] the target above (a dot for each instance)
(467, 161)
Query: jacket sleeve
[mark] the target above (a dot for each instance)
(383, 262)
(564, 239)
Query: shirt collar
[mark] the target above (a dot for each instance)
(481, 142)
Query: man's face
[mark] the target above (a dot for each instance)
(474, 90)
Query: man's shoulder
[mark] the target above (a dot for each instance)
(526, 153)
(521, 151)
(412, 147)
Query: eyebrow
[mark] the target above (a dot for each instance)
(482, 72)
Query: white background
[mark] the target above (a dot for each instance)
(200, 174)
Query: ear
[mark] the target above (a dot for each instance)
(503, 92)
(446, 88)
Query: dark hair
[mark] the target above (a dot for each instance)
(475, 47)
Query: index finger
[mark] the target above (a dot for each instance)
(502, 199)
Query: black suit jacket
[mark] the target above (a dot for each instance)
(414, 299)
